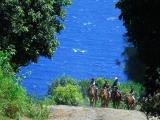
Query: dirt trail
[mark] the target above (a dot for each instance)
(62, 112)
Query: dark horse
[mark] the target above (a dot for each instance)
(104, 96)
(116, 98)
(129, 102)
(92, 95)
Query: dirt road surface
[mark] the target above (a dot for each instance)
(62, 112)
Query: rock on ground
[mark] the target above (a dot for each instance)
(62, 112)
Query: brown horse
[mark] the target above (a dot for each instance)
(129, 102)
(104, 96)
(92, 95)
(116, 98)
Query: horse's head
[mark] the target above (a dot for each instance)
(104, 92)
(91, 91)
(116, 94)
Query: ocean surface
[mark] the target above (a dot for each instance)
(90, 46)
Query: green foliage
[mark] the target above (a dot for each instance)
(28, 28)
(62, 81)
(68, 95)
(152, 103)
(14, 103)
(4, 63)
(13, 98)
(100, 82)
(37, 110)
(143, 31)
(83, 84)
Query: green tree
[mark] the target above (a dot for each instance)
(28, 28)
(62, 81)
(84, 84)
(68, 95)
(140, 17)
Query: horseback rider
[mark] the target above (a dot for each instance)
(132, 93)
(106, 85)
(115, 86)
(115, 83)
(93, 84)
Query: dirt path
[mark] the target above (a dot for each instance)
(62, 112)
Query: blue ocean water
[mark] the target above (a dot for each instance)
(90, 45)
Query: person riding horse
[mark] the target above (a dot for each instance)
(115, 82)
(106, 85)
(93, 84)
(132, 93)
(104, 95)
(115, 87)
(130, 100)
(115, 95)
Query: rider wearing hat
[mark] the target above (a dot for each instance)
(93, 84)
(115, 86)
(132, 93)
(115, 82)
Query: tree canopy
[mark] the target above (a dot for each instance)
(28, 28)
(142, 21)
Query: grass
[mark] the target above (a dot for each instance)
(14, 101)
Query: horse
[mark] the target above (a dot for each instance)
(92, 95)
(129, 102)
(116, 98)
(104, 96)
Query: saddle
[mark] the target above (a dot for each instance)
(115, 93)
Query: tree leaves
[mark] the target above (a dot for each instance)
(31, 28)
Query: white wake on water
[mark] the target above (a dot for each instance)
(79, 50)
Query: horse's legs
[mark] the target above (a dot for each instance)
(114, 106)
(101, 103)
(91, 102)
(130, 106)
(117, 104)
(107, 103)
(95, 101)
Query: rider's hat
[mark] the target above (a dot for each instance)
(116, 78)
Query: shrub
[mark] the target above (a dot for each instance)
(13, 99)
(68, 95)
(62, 81)
(37, 110)
(14, 103)
(83, 84)
(100, 82)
